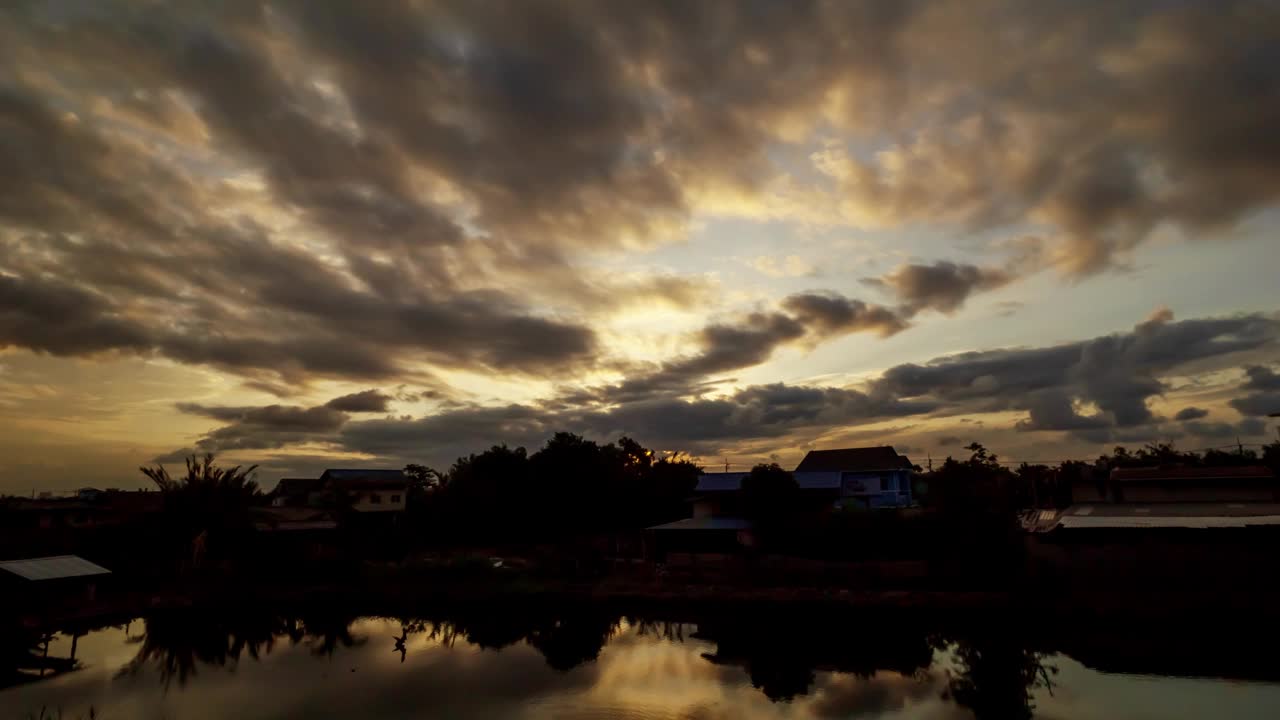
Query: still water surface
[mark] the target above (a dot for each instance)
(181, 667)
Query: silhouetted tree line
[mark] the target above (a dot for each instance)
(571, 487)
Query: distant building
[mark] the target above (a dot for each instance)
(1249, 483)
(368, 490)
(872, 477)
(1167, 498)
(88, 508)
(875, 477)
(364, 490)
(56, 579)
(297, 492)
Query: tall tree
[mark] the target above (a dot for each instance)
(209, 506)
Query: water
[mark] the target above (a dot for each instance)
(496, 665)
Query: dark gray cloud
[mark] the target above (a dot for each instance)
(1257, 404)
(1264, 396)
(1117, 374)
(1261, 377)
(363, 401)
(1055, 386)
(942, 286)
(434, 154)
(752, 339)
(62, 320)
(1247, 428)
(697, 425)
(1190, 413)
(1052, 409)
(831, 314)
(270, 426)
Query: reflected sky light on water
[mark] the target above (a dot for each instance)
(644, 671)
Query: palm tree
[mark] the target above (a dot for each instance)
(209, 504)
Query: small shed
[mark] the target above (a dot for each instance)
(52, 578)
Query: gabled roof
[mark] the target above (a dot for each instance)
(1157, 474)
(362, 478)
(882, 457)
(297, 486)
(53, 568)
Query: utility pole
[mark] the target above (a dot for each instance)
(726, 464)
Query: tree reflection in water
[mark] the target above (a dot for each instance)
(994, 673)
(175, 645)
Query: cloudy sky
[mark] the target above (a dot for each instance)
(312, 234)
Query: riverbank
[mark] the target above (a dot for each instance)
(407, 596)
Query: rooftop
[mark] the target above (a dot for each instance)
(1242, 472)
(1170, 515)
(53, 568)
(882, 457)
(297, 486)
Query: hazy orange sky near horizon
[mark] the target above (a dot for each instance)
(308, 235)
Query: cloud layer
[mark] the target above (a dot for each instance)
(313, 198)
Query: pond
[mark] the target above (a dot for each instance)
(192, 666)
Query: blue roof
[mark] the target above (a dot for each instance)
(363, 474)
(706, 523)
(732, 482)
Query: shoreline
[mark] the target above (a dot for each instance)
(679, 601)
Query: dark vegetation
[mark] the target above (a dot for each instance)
(575, 511)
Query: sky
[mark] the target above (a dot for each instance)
(306, 235)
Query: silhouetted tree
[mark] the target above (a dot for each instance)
(208, 507)
(996, 676)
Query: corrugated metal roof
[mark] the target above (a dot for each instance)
(53, 568)
(720, 482)
(706, 523)
(1228, 509)
(1087, 522)
(1244, 472)
(1168, 515)
(882, 457)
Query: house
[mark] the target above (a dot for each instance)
(368, 490)
(873, 477)
(1181, 484)
(88, 508)
(297, 492)
(1167, 498)
(364, 490)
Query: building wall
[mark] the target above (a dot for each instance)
(1132, 493)
(884, 488)
(372, 501)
